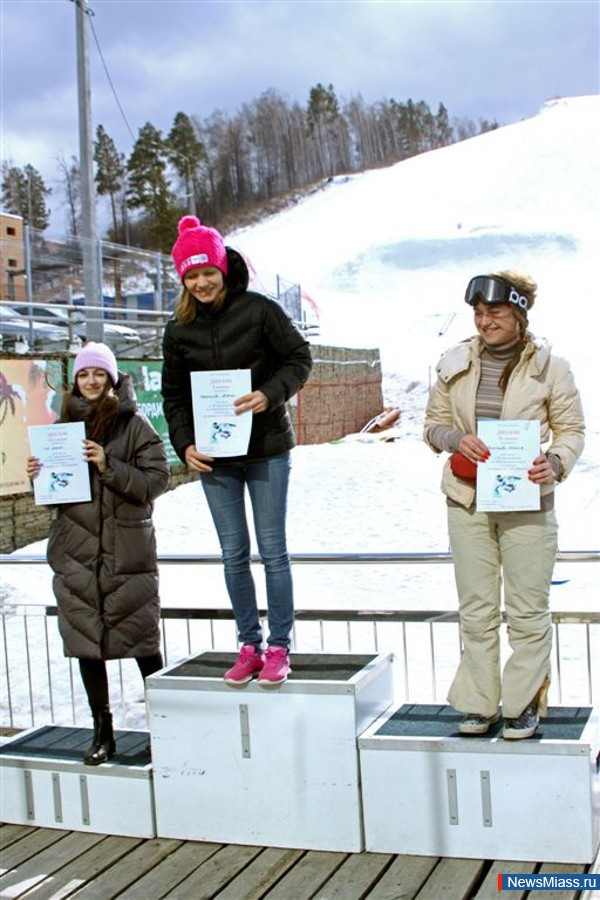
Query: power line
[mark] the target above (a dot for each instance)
(107, 73)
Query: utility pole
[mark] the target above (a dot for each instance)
(91, 282)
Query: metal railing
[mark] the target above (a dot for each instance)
(139, 287)
(424, 558)
(38, 683)
(140, 334)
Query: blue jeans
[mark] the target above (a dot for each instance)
(224, 488)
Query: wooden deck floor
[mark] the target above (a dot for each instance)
(51, 863)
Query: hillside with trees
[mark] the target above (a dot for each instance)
(234, 169)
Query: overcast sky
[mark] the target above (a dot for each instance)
(497, 60)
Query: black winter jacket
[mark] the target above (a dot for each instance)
(103, 552)
(250, 331)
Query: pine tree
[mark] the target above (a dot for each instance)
(322, 116)
(110, 181)
(412, 128)
(186, 152)
(399, 140)
(149, 189)
(443, 128)
(24, 194)
(110, 172)
(146, 167)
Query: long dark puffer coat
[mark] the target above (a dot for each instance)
(103, 552)
(250, 331)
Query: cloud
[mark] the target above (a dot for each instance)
(496, 59)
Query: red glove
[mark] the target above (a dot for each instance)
(463, 467)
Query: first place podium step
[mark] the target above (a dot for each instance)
(270, 767)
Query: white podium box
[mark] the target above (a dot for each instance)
(44, 782)
(275, 767)
(428, 791)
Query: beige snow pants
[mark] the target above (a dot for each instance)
(519, 547)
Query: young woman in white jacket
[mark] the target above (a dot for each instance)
(503, 373)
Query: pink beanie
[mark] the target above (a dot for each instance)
(197, 246)
(96, 356)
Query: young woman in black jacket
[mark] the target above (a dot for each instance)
(219, 325)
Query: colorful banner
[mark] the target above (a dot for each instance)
(27, 397)
(30, 394)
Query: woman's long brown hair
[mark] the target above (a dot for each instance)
(103, 412)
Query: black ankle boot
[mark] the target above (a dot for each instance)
(104, 745)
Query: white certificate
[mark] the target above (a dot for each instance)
(217, 429)
(502, 481)
(64, 476)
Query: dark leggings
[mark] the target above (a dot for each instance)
(95, 680)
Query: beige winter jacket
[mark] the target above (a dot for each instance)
(540, 387)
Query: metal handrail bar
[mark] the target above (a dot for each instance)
(157, 317)
(402, 618)
(77, 307)
(562, 556)
(21, 685)
(563, 617)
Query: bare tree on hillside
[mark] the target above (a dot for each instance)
(70, 180)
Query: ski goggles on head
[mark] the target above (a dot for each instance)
(491, 291)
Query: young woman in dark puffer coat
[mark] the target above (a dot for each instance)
(103, 552)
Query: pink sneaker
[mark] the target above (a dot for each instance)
(247, 664)
(276, 668)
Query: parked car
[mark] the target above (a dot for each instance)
(119, 337)
(14, 327)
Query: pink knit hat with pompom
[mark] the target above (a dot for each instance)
(96, 356)
(198, 246)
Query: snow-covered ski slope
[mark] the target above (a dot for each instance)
(386, 254)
